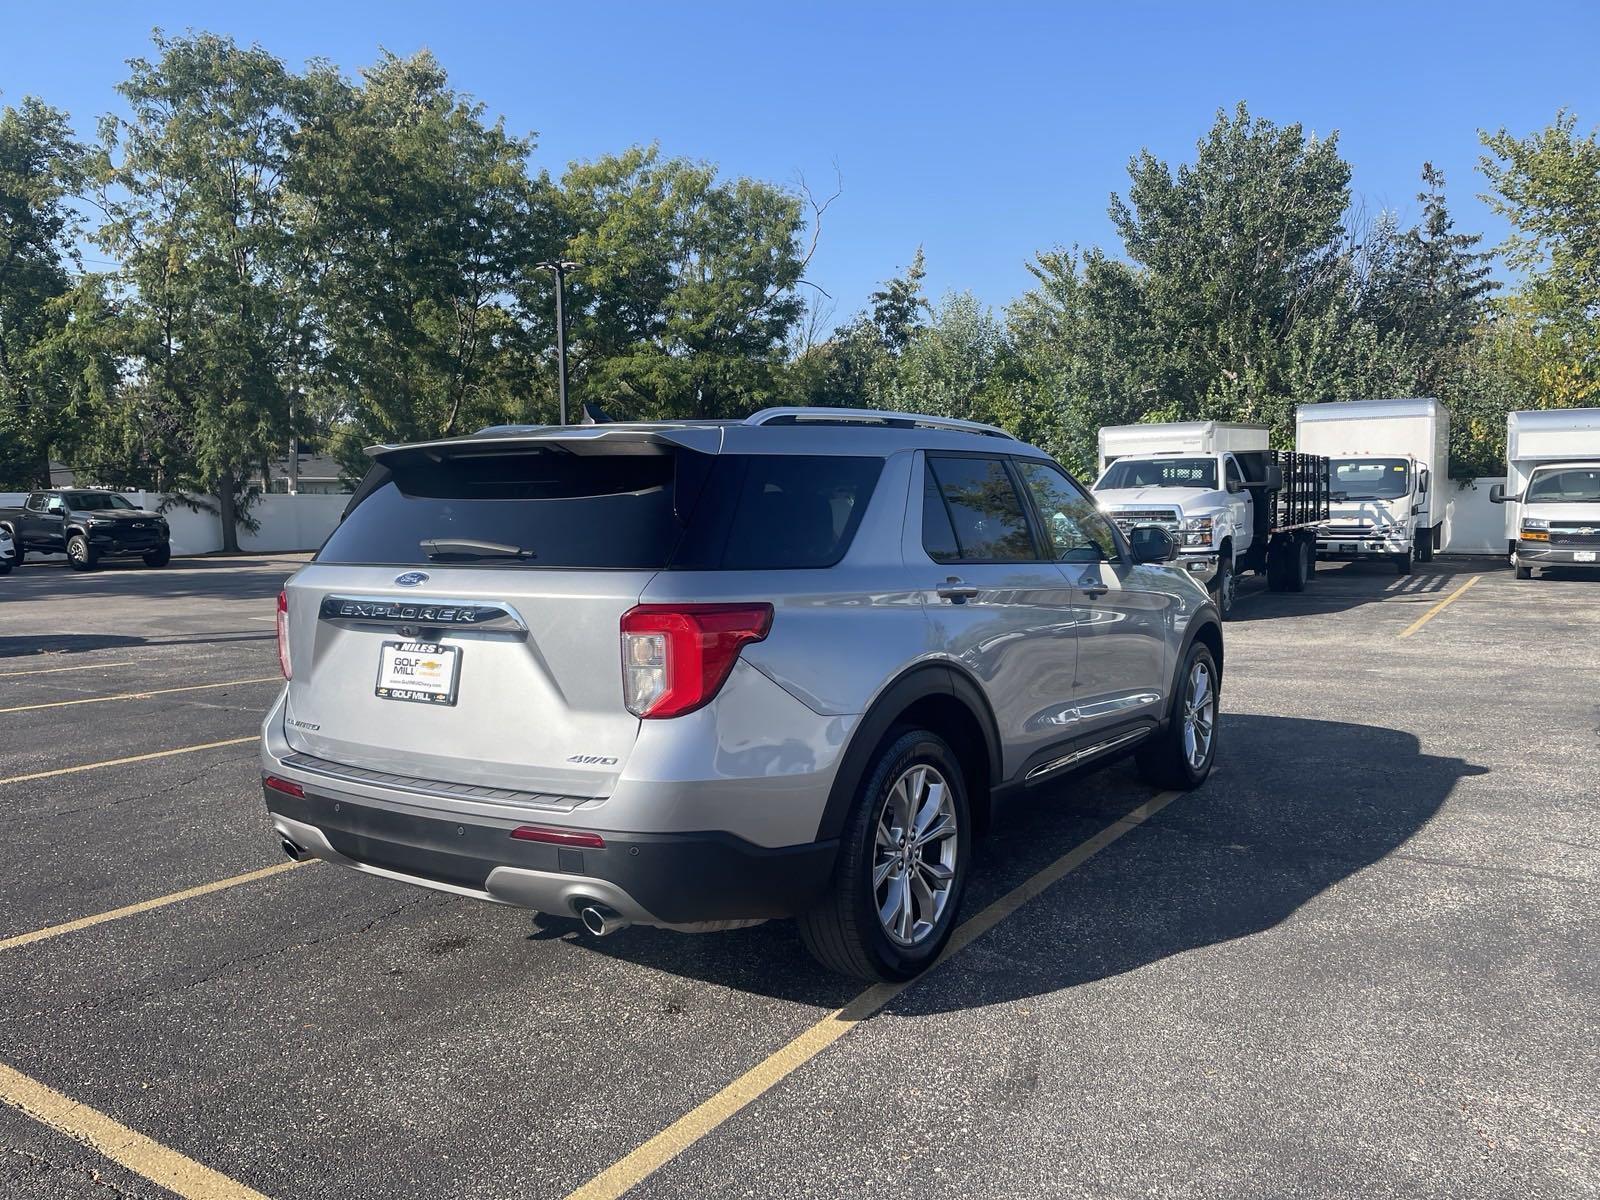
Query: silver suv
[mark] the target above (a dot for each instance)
(702, 674)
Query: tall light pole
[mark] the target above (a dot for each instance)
(560, 267)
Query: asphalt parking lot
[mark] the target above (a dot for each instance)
(1361, 960)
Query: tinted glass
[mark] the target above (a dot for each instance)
(640, 511)
(985, 509)
(1077, 530)
(567, 510)
(1231, 472)
(938, 535)
(791, 511)
(1160, 472)
(95, 501)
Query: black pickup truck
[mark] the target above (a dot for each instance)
(87, 526)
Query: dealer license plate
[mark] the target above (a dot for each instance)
(423, 672)
(1583, 556)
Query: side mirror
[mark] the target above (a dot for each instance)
(1422, 482)
(1234, 487)
(1274, 480)
(1151, 544)
(1497, 495)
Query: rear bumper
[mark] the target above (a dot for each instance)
(673, 880)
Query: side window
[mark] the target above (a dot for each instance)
(35, 502)
(983, 509)
(938, 535)
(1231, 471)
(1078, 531)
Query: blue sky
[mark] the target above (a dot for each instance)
(982, 131)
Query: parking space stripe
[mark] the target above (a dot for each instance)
(86, 667)
(145, 1157)
(192, 687)
(1438, 608)
(130, 910)
(642, 1162)
(132, 758)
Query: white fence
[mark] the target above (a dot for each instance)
(1471, 524)
(287, 523)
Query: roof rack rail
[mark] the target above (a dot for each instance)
(860, 416)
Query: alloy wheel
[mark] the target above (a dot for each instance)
(1199, 716)
(914, 855)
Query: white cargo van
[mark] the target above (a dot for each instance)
(1552, 488)
(1388, 460)
(1230, 502)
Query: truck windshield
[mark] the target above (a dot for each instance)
(94, 501)
(1369, 478)
(1565, 485)
(1160, 472)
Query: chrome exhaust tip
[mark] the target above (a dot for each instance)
(294, 852)
(600, 920)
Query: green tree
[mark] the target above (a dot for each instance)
(414, 223)
(196, 205)
(687, 289)
(1547, 185)
(42, 166)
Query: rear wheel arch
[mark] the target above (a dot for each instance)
(937, 697)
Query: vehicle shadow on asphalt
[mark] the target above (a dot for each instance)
(1268, 833)
(37, 644)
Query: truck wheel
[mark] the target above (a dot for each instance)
(1181, 755)
(80, 554)
(158, 557)
(1301, 563)
(1524, 572)
(891, 905)
(1403, 563)
(1226, 585)
(5, 565)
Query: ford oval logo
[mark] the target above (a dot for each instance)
(411, 578)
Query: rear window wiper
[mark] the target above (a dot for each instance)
(471, 548)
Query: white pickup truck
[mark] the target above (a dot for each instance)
(1388, 460)
(1230, 502)
(1552, 493)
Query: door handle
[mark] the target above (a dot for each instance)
(1095, 591)
(955, 591)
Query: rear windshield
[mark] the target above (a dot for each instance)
(550, 507)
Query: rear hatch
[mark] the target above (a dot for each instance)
(461, 625)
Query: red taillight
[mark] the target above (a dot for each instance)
(676, 657)
(283, 635)
(558, 837)
(287, 786)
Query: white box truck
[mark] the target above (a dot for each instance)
(1231, 503)
(1388, 461)
(1552, 488)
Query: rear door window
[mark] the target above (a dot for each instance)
(613, 510)
(985, 513)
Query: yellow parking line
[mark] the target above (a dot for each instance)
(642, 1162)
(1438, 608)
(192, 687)
(57, 670)
(149, 1159)
(132, 758)
(130, 910)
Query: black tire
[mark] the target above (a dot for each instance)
(1302, 561)
(1165, 759)
(159, 557)
(80, 554)
(1225, 587)
(1524, 572)
(844, 931)
(5, 565)
(1403, 563)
